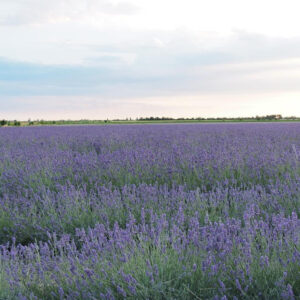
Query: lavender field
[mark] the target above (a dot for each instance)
(205, 211)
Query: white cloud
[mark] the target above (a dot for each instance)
(268, 17)
(19, 12)
(159, 52)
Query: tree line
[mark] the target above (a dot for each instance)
(273, 117)
(10, 123)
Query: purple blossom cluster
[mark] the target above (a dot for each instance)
(150, 212)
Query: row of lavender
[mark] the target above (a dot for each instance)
(150, 212)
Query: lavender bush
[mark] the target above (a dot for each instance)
(150, 212)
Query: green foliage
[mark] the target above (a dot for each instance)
(3, 122)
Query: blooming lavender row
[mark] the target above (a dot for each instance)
(150, 212)
(248, 257)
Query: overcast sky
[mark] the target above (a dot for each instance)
(99, 59)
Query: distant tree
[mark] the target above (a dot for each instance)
(3, 123)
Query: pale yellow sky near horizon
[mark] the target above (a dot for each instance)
(184, 106)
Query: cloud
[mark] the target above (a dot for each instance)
(154, 73)
(242, 74)
(21, 12)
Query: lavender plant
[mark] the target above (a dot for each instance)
(150, 212)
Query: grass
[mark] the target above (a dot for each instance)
(134, 122)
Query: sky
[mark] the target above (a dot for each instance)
(99, 59)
